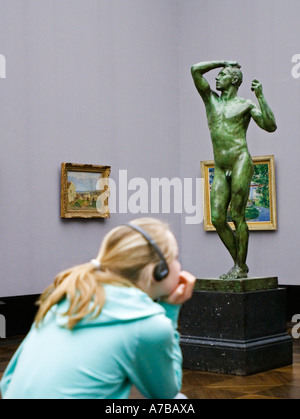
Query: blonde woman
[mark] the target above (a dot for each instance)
(99, 331)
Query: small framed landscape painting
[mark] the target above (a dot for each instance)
(84, 191)
(261, 211)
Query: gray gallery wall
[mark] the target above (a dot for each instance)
(108, 82)
(87, 81)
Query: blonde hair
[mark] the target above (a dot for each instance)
(125, 257)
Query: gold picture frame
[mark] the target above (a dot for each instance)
(261, 212)
(84, 191)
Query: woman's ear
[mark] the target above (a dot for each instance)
(146, 277)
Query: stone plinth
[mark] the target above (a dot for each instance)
(237, 285)
(236, 327)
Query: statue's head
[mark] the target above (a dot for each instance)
(229, 76)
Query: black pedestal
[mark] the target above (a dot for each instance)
(239, 333)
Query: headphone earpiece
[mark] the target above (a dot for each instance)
(161, 270)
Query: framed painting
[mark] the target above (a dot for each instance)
(261, 213)
(84, 191)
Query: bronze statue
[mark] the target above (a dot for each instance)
(228, 118)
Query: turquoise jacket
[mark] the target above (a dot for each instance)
(134, 341)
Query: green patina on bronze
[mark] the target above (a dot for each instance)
(237, 285)
(228, 118)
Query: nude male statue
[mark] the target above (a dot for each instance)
(228, 118)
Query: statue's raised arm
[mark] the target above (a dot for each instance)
(263, 115)
(199, 69)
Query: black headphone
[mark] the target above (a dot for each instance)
(161, 270)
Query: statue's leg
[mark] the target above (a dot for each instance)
(219, 201)
(240, 186)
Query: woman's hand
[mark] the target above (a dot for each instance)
(184, 290)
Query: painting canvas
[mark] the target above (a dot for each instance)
(84, 191)
(261, 207)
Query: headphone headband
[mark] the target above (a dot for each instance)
(161, 270)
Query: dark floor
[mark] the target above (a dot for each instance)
(281, 383)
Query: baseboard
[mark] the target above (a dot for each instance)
(293, 300)
(19, 311)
